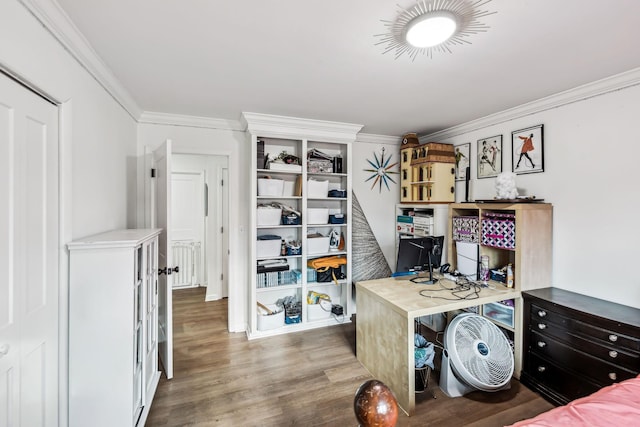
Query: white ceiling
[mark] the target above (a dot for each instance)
(317, 59)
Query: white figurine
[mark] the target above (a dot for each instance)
(506, 186)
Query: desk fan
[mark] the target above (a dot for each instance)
(476, 356)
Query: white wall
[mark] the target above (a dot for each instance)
(591, 155)
(378, 205)
(99, 136)
(204, 140)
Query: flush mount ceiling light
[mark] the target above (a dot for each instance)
(432, 26)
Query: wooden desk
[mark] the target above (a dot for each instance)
(387, 309)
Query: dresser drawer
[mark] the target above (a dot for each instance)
(580, 362)
(617, 340)
(565, 383)
(603, 351)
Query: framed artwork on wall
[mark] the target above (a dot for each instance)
(463, 154)
(490, 156)
(527, 150)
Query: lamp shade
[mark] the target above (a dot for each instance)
(431, 29)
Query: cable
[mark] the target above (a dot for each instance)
(464, 290)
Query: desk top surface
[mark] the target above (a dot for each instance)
(405, 297)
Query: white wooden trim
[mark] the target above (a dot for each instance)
(58, 23)
(580, 93)
(293, 127)
(370, 138)
(151, 117)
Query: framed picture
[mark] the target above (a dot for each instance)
(527, 150)
(463, 154)
(490, 156)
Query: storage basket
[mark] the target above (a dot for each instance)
(271, 321)
(317, 215)
(466, 229)
(317, 189)
(317, 312)
(338, 193)
(268, 216)
(499, 230)
(270, 187)
(336, 219)
(293, 313)
(317, 245)
(268, 246)
(290, 219)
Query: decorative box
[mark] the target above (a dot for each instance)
(466, 229)
(320, 166)
(403, 227)
(499, 230)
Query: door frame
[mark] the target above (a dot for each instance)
(235, 293)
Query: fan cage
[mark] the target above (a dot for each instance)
(479, 352)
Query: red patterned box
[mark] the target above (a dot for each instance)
(466, 229)
(499, 230)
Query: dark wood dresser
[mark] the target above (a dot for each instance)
(575, 344)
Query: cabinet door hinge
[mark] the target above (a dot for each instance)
(221, 230)
(153, 173)
(221, 276)
(222, 183)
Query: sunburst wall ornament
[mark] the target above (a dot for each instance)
(433, 26)
(381, 171)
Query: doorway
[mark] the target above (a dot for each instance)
(199, 212)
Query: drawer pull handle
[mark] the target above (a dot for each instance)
(541, 344)
(542, 368)
(613, 338)
(542, 326)
(613, 376)
(542, 313)
(613, 354)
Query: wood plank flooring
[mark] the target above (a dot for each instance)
(302, 379)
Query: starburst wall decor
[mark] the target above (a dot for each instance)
(381, 171)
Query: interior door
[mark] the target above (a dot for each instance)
(29, 243)
(162, 181)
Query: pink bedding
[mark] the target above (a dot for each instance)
(617, 405)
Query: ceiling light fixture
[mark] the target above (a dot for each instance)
(435, 25)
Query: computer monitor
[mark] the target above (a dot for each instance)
(413, 253)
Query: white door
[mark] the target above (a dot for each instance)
(29, 244)
(162, 181)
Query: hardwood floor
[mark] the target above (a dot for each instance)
(302, 379)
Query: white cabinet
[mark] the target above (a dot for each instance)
(113, 328)
(306, 190)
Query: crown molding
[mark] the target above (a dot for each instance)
(370, 138)
(294, 127)
(599, 87)
(151, 117)
(60, 26)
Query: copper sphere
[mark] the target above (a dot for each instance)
(375, 405)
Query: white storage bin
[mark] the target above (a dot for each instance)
(317, 189)
(268, 248)
(316, 312)
(268, 216)
(270, 321)
(270, 187)
(317, 215)
(500, 313)
(317, 245)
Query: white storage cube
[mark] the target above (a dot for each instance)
(268, 216)
(268, 248)
(316, 312)
(317, 215)
(317, 245)
(270, 187)
(317, 189)
(270, 321)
